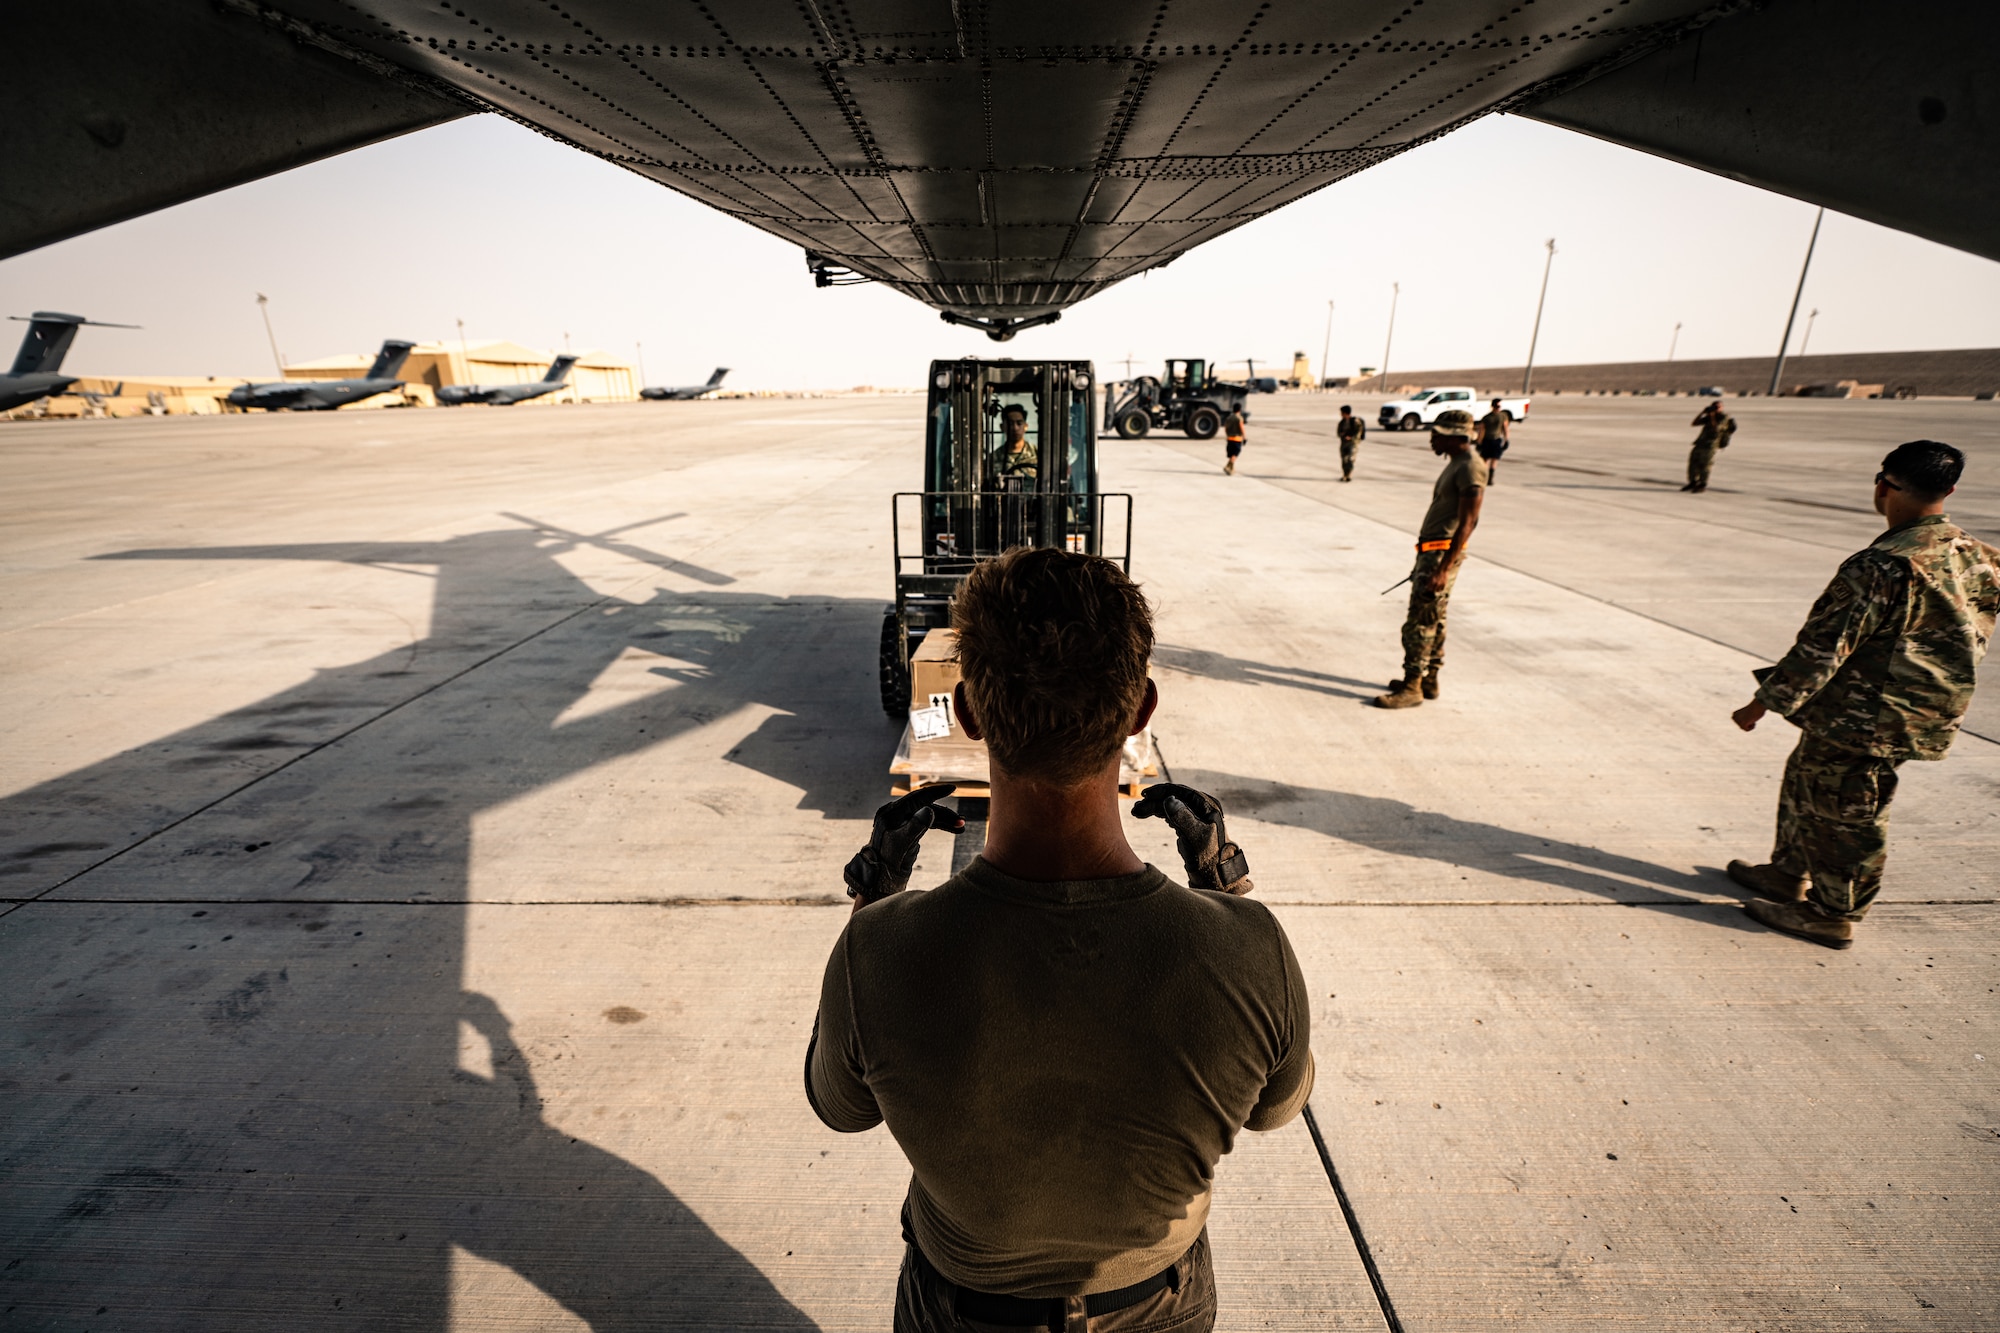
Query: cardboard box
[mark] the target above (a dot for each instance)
(934, 670)
(956, 758)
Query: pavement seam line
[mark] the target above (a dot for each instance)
(1382, 1301)
(330, 741)
(1543, 579)
(1704, 521)
(399, 705)
(1645, 481)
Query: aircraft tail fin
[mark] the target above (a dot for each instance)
(390, 359)
(49, 335)
(716, 378)
(559, 369)
(47, 342)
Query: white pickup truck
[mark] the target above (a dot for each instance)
(1420, 410)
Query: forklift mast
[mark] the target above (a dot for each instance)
(1010, 459)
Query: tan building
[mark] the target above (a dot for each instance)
(595, 378)
(133, 396)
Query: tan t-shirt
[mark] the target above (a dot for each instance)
(1063, 1064)
(1461, 476)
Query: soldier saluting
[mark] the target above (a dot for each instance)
(1716, 428)
(1882, 672)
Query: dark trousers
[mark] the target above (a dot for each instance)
(926, 1302)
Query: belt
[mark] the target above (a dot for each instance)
(1048, 1311)
(1444, 545)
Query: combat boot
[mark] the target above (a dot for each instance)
(1774, 882)
(1402, 694)
(1429, 685)
(1805, 921)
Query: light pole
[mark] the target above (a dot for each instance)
(264, 309)
(642, 363)
(1395, 294)
(1674, 342)
(1528, 375)
(1805, 339)
(1326, 346)
(1778, 366)
(464, 354)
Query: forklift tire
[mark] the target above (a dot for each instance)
(1134, 425)
(894, 672)
(1203, 422)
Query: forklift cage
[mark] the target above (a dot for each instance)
(990, 489)
(951, 531)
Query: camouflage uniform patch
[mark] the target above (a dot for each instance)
(1423, 627)
(1350, 430)
(1833, 823)
(1715, 433)
(1882, 671)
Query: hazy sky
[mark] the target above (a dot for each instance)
(526, 239)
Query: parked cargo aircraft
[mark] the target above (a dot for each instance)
(506, 395)
(41, 356)
(666, 392)
(326, 395)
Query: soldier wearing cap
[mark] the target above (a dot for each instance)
(1351, 431)
(1882, 672)
(1716, 428)
(1448, 525)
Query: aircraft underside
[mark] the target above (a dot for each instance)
(1001, 162)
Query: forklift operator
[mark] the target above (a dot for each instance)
(1062, 1039)
(1018, 455)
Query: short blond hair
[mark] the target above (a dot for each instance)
(1053, 647)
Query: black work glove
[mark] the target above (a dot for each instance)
(1212, 861)
(883, 867)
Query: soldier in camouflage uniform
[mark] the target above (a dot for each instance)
(1454, 512)
(1882, 672)
(1716, 428)
(1352, 430)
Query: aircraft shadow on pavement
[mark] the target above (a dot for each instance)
(1388, 825)
(242, 1105)
(1242, 671)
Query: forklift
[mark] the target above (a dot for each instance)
(1010, 459)
(1188, 398)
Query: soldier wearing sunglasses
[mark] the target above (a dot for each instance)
(1881, 673)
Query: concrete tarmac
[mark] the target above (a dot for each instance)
(420, 838)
